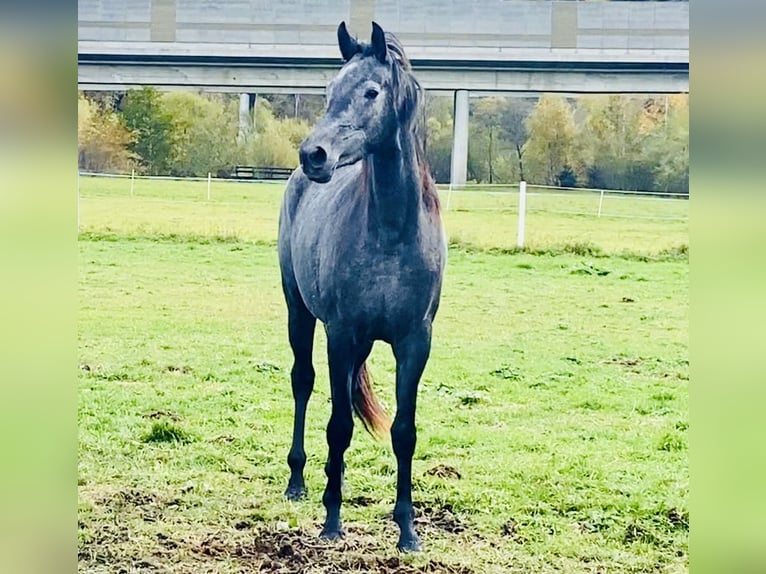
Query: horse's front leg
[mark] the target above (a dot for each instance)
(301, 326)
(340, 357)
(411, 356)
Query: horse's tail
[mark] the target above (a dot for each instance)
(367, 406)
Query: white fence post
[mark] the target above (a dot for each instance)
(522, 212)
(132, 179)
(208, 186)
(600, 203)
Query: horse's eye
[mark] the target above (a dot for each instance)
(371, 93)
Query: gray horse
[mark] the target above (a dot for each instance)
(362, 249)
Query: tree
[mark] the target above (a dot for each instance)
(484, 127)
(498, 136)
(669, 146)
(514, 122)
(551, 144)
(438, 136)
(308, 107)
(203, 134)
(275, 142)
(102, 139)
(614, 134)
(143, 114)
(567, 177)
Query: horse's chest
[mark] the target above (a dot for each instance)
(370, 287)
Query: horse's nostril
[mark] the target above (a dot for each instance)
(317, 157)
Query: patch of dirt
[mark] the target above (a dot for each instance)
(588, 269)
(162, 414)
(625, 361)
(224, 439)
(360, 500)
(99, 544)
(511, 530)
(294, 551)
(444, 471)
(109, 540)
(637, 532)
(506, 372)
(441, 518)
(131, 497)
(267, 367)
(298, 551)
(678, 520)
(150, 506)
(166, 541)
(179, 369)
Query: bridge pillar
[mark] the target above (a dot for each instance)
(459, 166)
(253, 105)
(245, 123)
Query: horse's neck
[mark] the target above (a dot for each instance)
(393, 182)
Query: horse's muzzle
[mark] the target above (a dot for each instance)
(315, 163)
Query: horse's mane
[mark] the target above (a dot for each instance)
(410, 106)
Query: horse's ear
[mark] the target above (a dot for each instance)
(378, 42)
(348, 46)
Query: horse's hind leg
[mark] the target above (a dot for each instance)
(411, 356)
(361, 352)
(301, 325)
(342, 361)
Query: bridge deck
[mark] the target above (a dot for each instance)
(480, 45)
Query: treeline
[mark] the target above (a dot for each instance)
(614, 142)
(181, 134)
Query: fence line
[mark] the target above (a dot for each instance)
(468, 190)
(513, 188)
(572, 212)
(625, 191)
(613, 193)
(179, 178)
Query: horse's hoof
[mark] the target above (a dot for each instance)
(332, 534)
(410, 545)
(295, 493)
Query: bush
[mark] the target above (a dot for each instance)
(102, 139)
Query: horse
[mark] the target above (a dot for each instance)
(362, 249)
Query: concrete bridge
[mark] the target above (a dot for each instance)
(457, 46)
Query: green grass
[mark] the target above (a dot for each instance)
(552, 415)
(165, 431)
(249, 211)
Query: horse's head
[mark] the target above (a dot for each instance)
(372, 96)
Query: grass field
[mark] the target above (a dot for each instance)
(249, 211)
(552, 415)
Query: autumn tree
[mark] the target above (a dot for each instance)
(102, 139)
(275, 142)
(613, 134)
(551, 146)
(203, 132)
(438, 136)
(668, 146)
(497, 138)
(514, 124)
